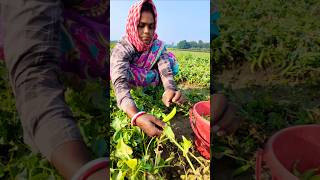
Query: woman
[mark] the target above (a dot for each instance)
(140, 59)
(41, 37)
(224, 112)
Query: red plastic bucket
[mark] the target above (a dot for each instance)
(298, 143)
(201, 127)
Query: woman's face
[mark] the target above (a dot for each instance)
(146, 27)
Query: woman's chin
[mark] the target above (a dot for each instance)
(146, 41)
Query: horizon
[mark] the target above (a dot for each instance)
(175, 43)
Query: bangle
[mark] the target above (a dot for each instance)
(91, 167)
(134, 118)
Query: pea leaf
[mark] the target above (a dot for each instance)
(123, 150)
(146, 166)
(132, 163)
(186, 145)
(168, 132)
(119, 176)
(118, 123)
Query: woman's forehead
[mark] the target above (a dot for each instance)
(146, 18)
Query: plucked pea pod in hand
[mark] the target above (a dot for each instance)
(170, 115)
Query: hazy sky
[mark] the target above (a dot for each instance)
(177, 19)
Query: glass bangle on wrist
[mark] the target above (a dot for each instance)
(90, 168)
(134, 118)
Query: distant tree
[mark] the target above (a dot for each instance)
(183, 45)
(200, 44)
(193, 44)
(206, 45)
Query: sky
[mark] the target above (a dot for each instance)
(177, 19)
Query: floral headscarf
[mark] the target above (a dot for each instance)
(132, 25)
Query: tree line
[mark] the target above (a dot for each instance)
(192, 45)
(184, 44)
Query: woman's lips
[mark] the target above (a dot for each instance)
(146, 39)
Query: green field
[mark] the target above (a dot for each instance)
(267, 63)
(134, 155)
(194, 67)
(88, 103)
(273, 34)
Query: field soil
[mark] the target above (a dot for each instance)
(243, 86)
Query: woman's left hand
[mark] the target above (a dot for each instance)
(171, 96)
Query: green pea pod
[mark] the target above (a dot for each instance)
(170, 115)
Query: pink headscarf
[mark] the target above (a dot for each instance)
(133, 22)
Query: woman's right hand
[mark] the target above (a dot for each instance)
(224, 116)
(150, 125)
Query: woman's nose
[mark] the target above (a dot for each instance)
(146, 29)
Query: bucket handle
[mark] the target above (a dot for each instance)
(259, 157)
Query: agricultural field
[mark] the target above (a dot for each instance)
(172, 155)
(88, 103)
(267, 62)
